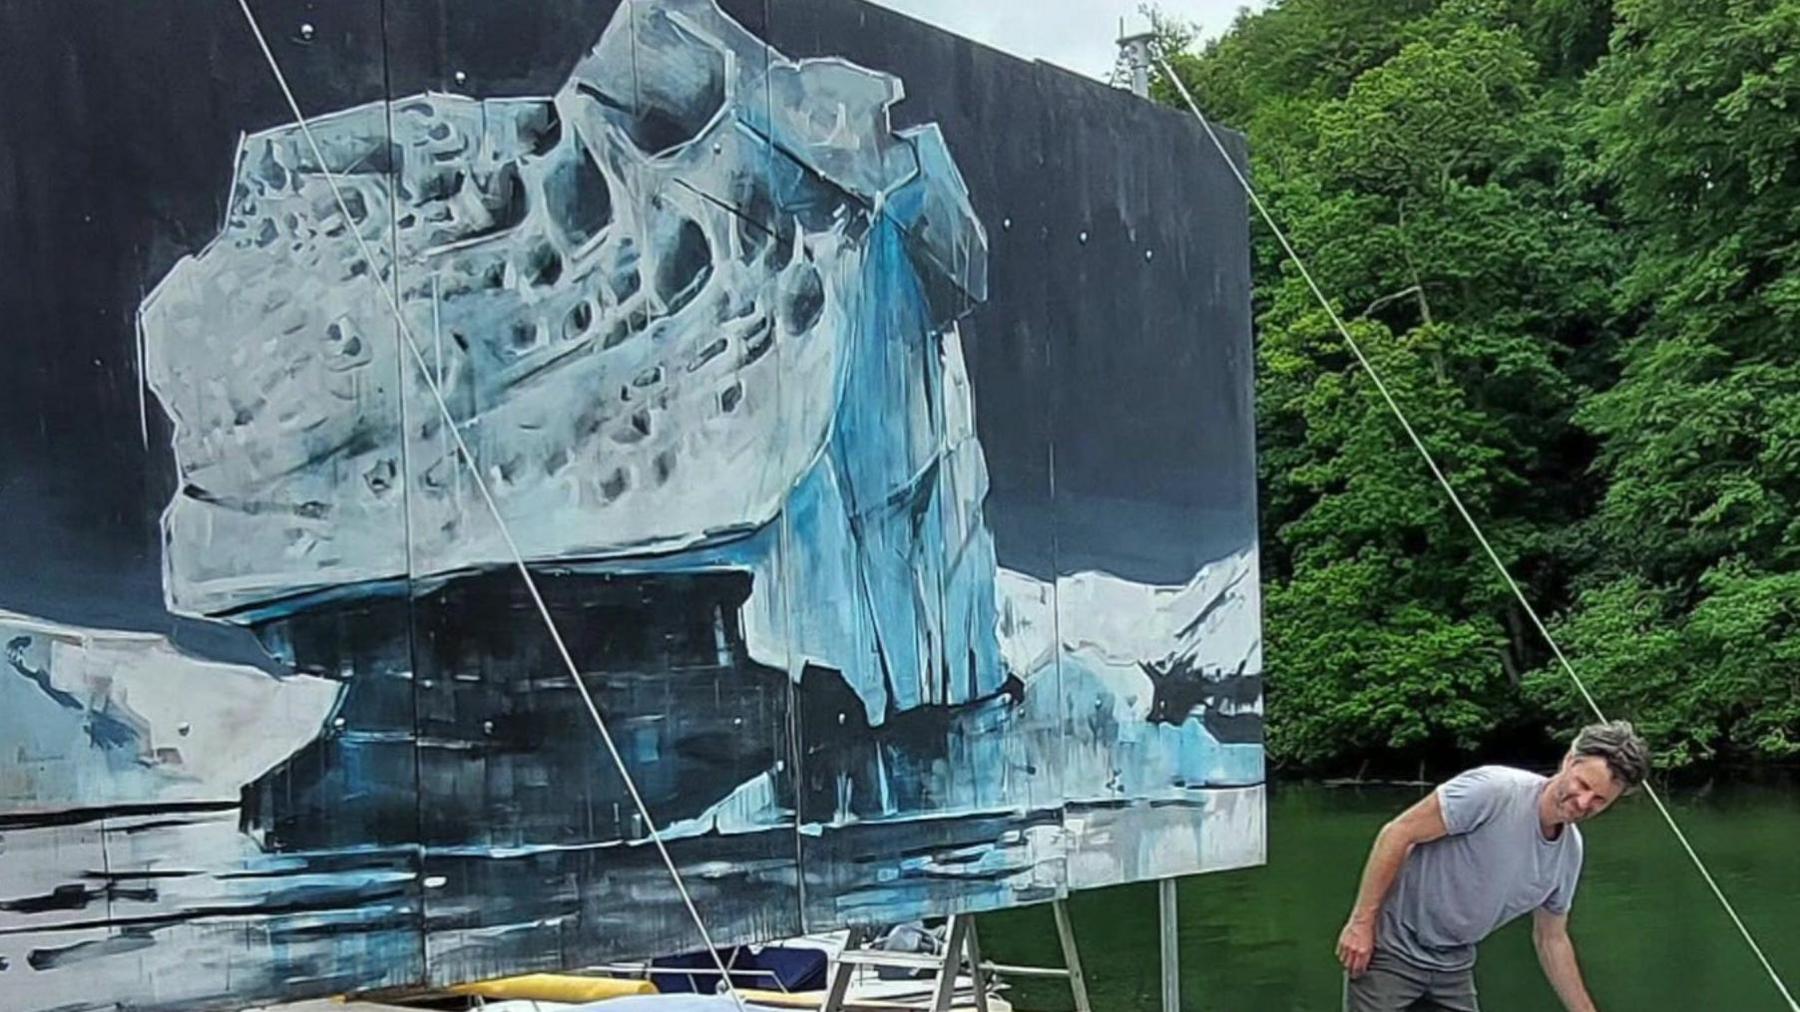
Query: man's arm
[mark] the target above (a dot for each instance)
(1421, 823)
(1556, 952)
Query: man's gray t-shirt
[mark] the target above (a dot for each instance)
(1494, 866)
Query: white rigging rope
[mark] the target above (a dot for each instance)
(1463, 511)
(493, 507)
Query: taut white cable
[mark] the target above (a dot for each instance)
(1463, 511)
(487, 497)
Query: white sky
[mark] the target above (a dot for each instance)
(1076, 34)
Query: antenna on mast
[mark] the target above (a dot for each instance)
(1132, 70)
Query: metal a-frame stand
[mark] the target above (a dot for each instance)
(962, 949)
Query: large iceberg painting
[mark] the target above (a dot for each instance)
(800, 451)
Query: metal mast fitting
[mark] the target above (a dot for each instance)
(1133, 66)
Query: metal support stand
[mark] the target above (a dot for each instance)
(963, 944)
(978, 970)
(1171, 953)
(843, 971)
(962, 948)
(1065, 932)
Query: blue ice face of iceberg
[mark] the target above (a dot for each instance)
(881, 564)
(891, 575)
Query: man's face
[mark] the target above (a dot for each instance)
(1584, 788)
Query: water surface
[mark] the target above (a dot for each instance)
(1647, 929)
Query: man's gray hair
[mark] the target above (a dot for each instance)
(1619, 745)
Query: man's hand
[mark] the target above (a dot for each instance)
(1421, 823)
(1356, 943)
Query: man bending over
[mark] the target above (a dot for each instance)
(1479, 851)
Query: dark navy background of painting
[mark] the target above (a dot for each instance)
(115, 160)
(1110, 364)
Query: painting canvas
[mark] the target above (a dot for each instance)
(870, 410)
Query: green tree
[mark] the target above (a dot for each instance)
(1692, 620)
(1567, 232)
(1414, 152)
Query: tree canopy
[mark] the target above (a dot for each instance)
(1568, 234)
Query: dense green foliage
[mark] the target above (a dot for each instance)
(1568, 234)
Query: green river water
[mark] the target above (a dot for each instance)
(1647, 929)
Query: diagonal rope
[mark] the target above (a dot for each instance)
(1463, 511)
(493, 507)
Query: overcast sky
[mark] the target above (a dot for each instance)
(1076, 34)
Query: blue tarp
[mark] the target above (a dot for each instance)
(798, 969)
